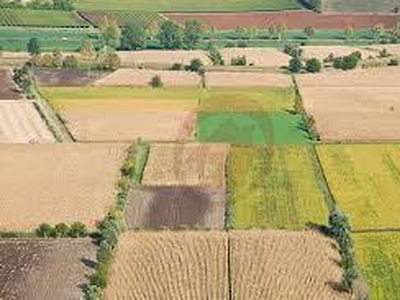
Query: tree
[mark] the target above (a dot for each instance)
(272, 30)
(196, 65)
(295, 65)
(239, 61)
(33, 46)
(309, 31)
(57, 58)
(63, 5)
(109, 61)
(156, 82)
(70, 62)
(348, 32)
(170, 36)
(133, 37)
(313, 65)
(282, 31)
(215, 56)
(45, 230)
(87, 50)
(192, 33)
(78, 229)
(396, 30)
(240, 32)
(61, 230)
(110, 33)
(377, 31)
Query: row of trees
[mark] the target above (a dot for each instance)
(66, 5)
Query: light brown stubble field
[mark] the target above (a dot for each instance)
(322, 52)
(169, 265)
(57, 183)
(248, 79)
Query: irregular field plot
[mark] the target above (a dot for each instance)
(44, 269)
(379, 259)
(57, 183)
(322, 52)
(251, 128)
(275, 187)
(169, 265)
(186, 164)
(66, 77)
(21, 123)
(123, 18)
(294, 265)
(250, 79)
(364, 180)
(175, 207)
(7, 86)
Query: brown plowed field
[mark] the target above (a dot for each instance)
(135, 77)
(186, 164)
(247, 79)
(292, 19)
(66, 77)
(57, 183)
(169, 265)
(283, 265)
(21, 123)
(45, 269)
(7, 87)
(176, 207)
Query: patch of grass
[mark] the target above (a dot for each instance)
(188, 5)
(275, 187)
(379, 259)
(359, 5)
(251, 128)
(364, 180)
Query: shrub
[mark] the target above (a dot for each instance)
(293, 50)
(156, 82)
(196, 65)
(215, 56)
(45, 230)
(177, 67)
(313, 65)
(78, 229)
(330, 58)
(70, 62)
(61, 230)
(239, 61)
(295, 65)
(110, 62)
(393, 62)
(33, 46)
(347, 62)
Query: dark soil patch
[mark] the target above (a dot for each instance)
(7, 87)
(64, 77)
(176, 207)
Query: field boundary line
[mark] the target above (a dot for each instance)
(383, 230)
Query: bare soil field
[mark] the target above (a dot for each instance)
(136, 77)
(259, 57)
(292, 19)
(7, 87)
(248, 79)
(57, 183)
(161, 57)
(393, 49)
(21, 123)
(294, 265)
(361, 113)
(124, 120)
(176, 207)
(169, 265)
(66, 77)
(186, 164)
(322, 52)
(45, 269)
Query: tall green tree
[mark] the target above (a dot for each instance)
(309, 31)
(192, 33)
(33, 46)
(348, 32)
(170, 36)
(133, 37)
(110, 33)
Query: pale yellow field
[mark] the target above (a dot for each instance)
(322, 52)
(250, 79)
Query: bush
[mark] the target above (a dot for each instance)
(239, 61)
(33, 46)
(330, 58)
(215, 56)
(347, 62)
(110, 62)
(70, 62)
(177, 67)
(45, 230)
(313, 65)
(196, 65)
(78, 229)
(295, 65)
(393, 62)
(156, 82)
(293, 50)
(61, 230)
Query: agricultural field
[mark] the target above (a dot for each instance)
(371, 6)
(66, 77)
(123, 18)
(45, 269)
(57, 183)
(275, 187)
(187, 5)
(176, 207)
(125, 114)
(322, 52)
(7, 88)
(261, 57)
(379, 260)
(284, 265)
(40, 18)
(364, 180)
(247, 79)
(297, 19)
(169, 265)
(20, 122)
(186, 165)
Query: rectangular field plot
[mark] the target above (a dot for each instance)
(249, 79)
(57, 183)
(251, 128)
(372, 6)
(294, 265)
(379, 259)
(45, 269)
(21, 123)
(275, 187)
(7, 86)
(176, 207)
(365, 180)
(169, 265)
(186, 164)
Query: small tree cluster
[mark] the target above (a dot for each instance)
(24, 79)
(239, 61)
(293, 50)
(76, 230)
(215, 56)
(312, 65)
(348, 62)
(156, 82)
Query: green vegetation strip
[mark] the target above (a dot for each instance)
(274, 187)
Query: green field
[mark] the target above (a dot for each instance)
(373, 6)
(365, 182)
(188, 5)
(251, 128)
(378, 256)
(40, 18)
(275, 187)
